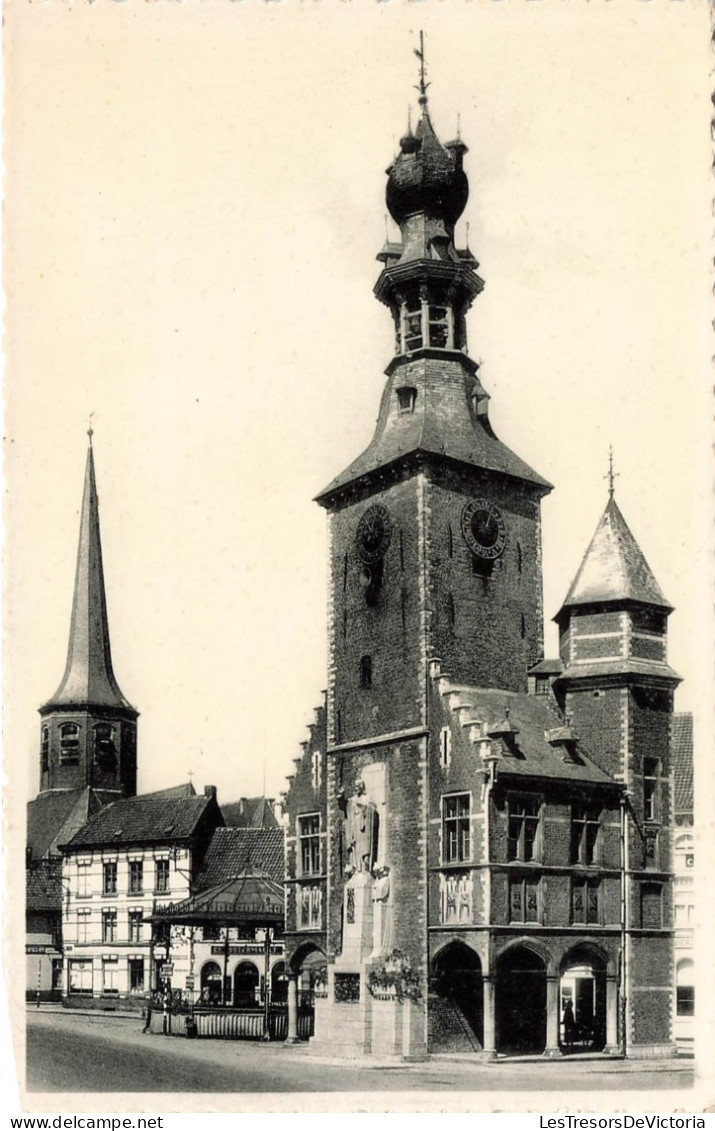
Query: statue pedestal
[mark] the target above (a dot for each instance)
(357, 922)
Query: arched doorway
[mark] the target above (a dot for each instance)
(245, 985)
(520, 1005)
(583, 1000)
(456, 1001)
(211, 983)
(279, 984)
(311, 967)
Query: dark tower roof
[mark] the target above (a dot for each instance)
(614, 568)
(427, 177)
(89, 678)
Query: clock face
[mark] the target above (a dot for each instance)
(483, 529)
(373, 535)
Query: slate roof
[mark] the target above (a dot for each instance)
(441, 426)
(683, 762)
(547, 667)
(142, 820)
(614, 568)
(231, 850)
(250, 812)
(43, 885)
(186, 789)
(89, 677)
(54, 817)
(533, 756)
(622, 667)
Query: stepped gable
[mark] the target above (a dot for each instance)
(531, 718)
(232, 849)
(144, 820)
(683, 763)
(614, 567)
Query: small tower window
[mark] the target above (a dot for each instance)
(450, 610)
(45, 748)
(450, 541)
(522, 626)
(105, 752)
(439, 327)
(482, 567)
(406, 398)
(650, 789)
(366, 672)
(413, 326)
(445, 748)
(69, 743)
(519, 557)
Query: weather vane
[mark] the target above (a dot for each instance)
(612, 475)
(90, 430)
(422, 84)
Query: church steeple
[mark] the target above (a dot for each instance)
(88, 726)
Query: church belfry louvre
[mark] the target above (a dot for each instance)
(478, 841)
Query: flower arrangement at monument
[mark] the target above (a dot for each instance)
(394, 977)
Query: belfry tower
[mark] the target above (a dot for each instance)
(88, 729)
(435, 529)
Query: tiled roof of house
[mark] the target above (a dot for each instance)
(54, 817)
(683, 762)
(614, 568)
(43, 885)
(529, 754)
(250, 812)
(142, 820)
(186, 789)
(233, 849)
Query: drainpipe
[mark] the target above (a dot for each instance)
(625, 933)
(266, 983)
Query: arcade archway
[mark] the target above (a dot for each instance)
(211, 983)
(245, 985)
(583, 1000)
(520, 1003)
(456, 1001)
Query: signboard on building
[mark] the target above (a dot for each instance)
(247, 948)
(167, 970)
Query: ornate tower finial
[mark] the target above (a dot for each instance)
(422, 87)
(612, 475)
(90, 430)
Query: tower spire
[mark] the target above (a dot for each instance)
(612, 475)
(89, 678)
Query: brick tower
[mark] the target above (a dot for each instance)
(435, 551)
(88, 728)
(617, 689)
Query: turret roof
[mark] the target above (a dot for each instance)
(614, 568)
(89, 678)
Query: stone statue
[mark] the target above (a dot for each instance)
(361, 830)
(382, 912)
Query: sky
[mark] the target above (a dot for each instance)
(194, 203)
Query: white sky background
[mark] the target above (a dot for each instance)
(195, 199)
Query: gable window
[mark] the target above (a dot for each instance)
(316, 769)
(524, 825)
(445, 747)
(136, 876)
(456, 841)
(45, 748)
(136, 919)
(109, 886)
(161, 876)
(309, 844)
(109, 926)
(524, 900)
(366, 672)
(585, 827)
(406, 399)
(650, 789)
(585, 901)
(69, 743)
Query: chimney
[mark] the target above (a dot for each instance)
(210, 791)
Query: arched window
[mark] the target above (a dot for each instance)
(366, 672)
(245, 985)
(211, 983)
(69, 743)
(45, 748)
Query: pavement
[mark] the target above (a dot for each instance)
(99, 1052)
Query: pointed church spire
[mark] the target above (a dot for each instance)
(614, 567)
(89, 678)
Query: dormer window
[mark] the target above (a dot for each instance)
(69, 743)
(406, 398)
